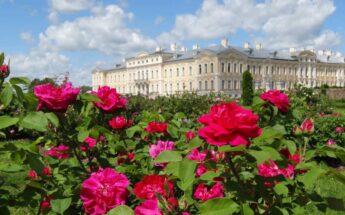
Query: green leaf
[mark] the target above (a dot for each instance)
(290, 145)
(269, 134)
(132, 130)
(194, 143)
(53, 119)
(247, 210)
(173, 131)
(219, 206)
(186, 172)
(19, 80)
(6, 95)
(60, 205)
(309, 178)
(168, 156)
(2, 58)
(82, 135)
(121, 210)
(274, 154)
(89, 97)
(36, 121)
(260, 156)
(228, 148)
(35, 163)
(19, 92)
(6, 121)
(210, 175)
(281, 189)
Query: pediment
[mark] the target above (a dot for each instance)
(232, 53)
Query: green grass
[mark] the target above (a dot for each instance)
(338, 106)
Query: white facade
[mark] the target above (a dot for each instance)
(219, 69)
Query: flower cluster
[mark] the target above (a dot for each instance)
(60, 152)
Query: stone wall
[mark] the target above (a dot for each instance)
(336, 94)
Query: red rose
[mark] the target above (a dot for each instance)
(32, 174)
(204, 194)
(190, 135)
(118, 122)
(111, 100)
(55, 98)
(229, 123)
(152, 184)
(4, 71)
(47, 171)
(307, 126)
(159, 127)
(277, 98)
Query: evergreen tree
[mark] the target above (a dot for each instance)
(247, 88)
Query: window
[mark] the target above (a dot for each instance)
(259, 70)
(278, 70)
(147, 74)
(178, 86)
(166, 88)
(212, 85)
(254, 69)
(200, 87)
(205, 68)
(177, 72)
(200, 68)
(229, 84)
(190, 71)
(182, 71)
(235, 84)
(190, 86)
(229, 65)
(223, 84)
(241, 68)
(152, 74)
(206, 87)
(165, 73)
(157, 88)
(211, 67)
(235, 69)
(170, 72)
(272, 70)
(222, 67)
(156, 73)
(248, 67)
(170, 88)
(266, 70)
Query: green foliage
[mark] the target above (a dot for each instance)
(247, 88)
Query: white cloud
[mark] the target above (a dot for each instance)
(104, 31)
(282, 23)
(159, 20)
(53, 16)
(26, 37)
(70, 5)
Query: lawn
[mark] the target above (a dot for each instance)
(338, 106)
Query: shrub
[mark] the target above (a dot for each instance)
(247, 88)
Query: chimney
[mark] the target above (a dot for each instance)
(246, 45)
(328, 53)
(195, 47)
(183, 49)
(338, 54)
(258, 46)
(225, 43)
(173, 47)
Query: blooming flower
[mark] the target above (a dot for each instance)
(111, 100)
(339, 129)
(4, 71)
(55, 98)
(61, 152)
(330, 142)
(32, 174)
(45, 204)
(91, 142)
(148, 207)
(272, 170)
(152, 184)
(47, 171)
(103, 191)
(190, 135)
(161, 146)
(229, 123)
(277, 98)
(118, 122)
(156, 127)
(307, 126)
(200, 170)
(204, 194)
(195, 155)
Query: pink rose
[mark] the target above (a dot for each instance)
(195, 155)
(307, 126)
(61, 152)
(272, 170)
(32, 174)
(339, 130)
(190, 135)
(111, 100)
(229, 123)
(55, 98)
(202, 193)
(277, 98)
(330, 142)
(91, 142)
(118, 122)
(161, 146)
(103, 191)
(200, 170)
(148, 207)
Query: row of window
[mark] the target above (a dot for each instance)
(143, 61)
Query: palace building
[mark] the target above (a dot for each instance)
(219, 69)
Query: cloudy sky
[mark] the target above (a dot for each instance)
(51, 37)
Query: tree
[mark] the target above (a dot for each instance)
(247, 88)
(37, 81)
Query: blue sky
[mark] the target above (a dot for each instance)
(50, 37)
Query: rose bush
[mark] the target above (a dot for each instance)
(95, 154)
